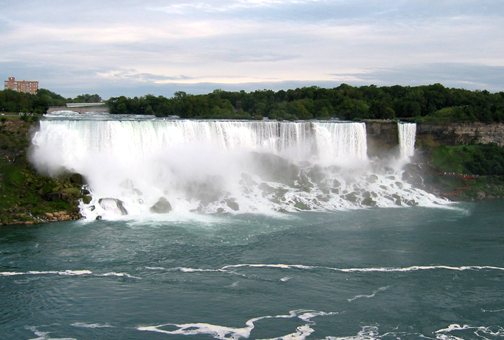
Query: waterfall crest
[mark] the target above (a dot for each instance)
(136, 166)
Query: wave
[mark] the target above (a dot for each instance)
(68, 273)
(229, 268)
(483, 332)
(381, 289)
(92, 325)
(235, 333)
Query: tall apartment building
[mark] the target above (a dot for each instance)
(21, 86)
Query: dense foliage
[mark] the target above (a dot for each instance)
(477, 159)
(12, 101)
(22, 189)
(344, 101)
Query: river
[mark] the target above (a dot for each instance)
(382, 273)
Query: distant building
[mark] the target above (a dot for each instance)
(30, 87)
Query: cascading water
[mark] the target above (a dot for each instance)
(407, 136)
(142, 167)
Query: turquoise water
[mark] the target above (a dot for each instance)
(398, 273)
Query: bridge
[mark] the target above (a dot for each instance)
(80, 107)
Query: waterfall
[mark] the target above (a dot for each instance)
(135, 165)
(407, 136)
(341, 142)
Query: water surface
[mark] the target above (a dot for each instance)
(398, 273)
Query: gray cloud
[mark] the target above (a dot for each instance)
(90, 45)
(457, 75)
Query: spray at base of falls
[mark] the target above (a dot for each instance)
(140, 167)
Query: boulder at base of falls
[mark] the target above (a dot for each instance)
(162, 206)
(233, 205)
(113, 204)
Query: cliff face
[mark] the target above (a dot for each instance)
(458, 133)
(382, 137)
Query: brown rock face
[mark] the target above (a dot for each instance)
(460, 133)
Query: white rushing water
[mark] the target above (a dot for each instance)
(146, 167)
(407, 136)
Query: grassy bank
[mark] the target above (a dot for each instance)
(462, 172)
(25, 196)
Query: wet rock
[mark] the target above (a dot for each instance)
(301, 206)
(480, 195)
(67, 198)
(162, 206)
(411, 203)
(368, 202)
(397, 199)
(324, 198)
(77, 179)
(266, 188)
(86, 199)
(72, 191)
(233, 205)
(372, 179)
(275, 168)
(316, 174)
(351, 197)
(107, 203)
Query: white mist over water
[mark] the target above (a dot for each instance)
(136, 164)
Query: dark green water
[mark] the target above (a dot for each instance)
(405, 273)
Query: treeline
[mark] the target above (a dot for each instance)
(12, 101)
(344, 102)
(422, 103)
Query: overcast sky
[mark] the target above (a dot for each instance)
(139, 47)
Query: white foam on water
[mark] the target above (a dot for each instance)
(416, 268)
(44, 335)
(91, 325)
(235, 333)
(483, 332)
(372, 295)
(366, 333)
(69, 273)
(119, 275)
(231, 269)
(65, 272)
